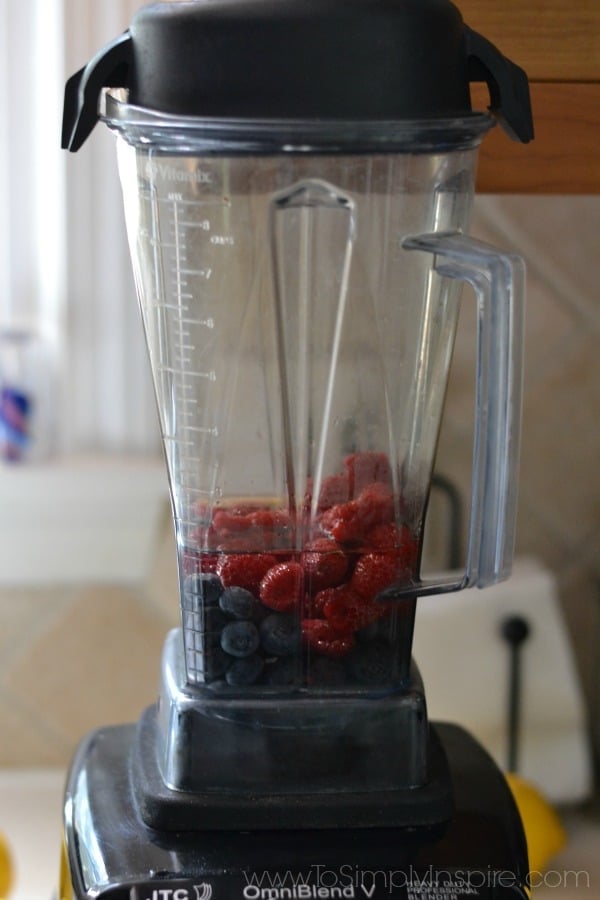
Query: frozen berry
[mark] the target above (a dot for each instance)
(347, 612)
(320, 636)
(334, 490)
(269, 519)
(238, 603)
(376, 505)
(385, 537)
(279, 634)
(194, 561)
(314, 605)
(213, 619)
(344, 523)
(365, 468)
(240, 639)
(201, 589)
(325, 564)
(235, 519)
(245, 671)
(245, 570)
(373, 573)
(282, 586)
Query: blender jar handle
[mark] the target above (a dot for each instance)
(498, 281)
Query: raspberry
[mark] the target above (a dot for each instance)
(234, 519)
(346, 611)
(374, 572)
(376, 505)
(281, 587)
(245, 570)
(316, 605)
(365, 468)
(269, 519)
(320, 636)
(389, 537)
(325, 564)
(344, 522)
(196, 561)
(334, 490)
(385, 537)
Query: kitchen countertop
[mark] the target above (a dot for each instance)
(30, 814)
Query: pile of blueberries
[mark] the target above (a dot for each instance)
(237, 641)
(236, 636)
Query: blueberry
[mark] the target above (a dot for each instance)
(282, 673)
(213, 663)
(201, 589)
(206, 639)
(245, 671)
(213, 619)
(372, 663)
(240, 639)
(279, 634)
(238, 603)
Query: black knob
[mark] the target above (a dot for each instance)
(515, 630)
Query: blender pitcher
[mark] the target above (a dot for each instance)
(298, 180)
(300, 351)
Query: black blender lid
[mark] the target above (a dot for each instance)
(376, 60)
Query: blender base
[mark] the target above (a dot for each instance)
(110, 852)
(202, 759)
(267, 806)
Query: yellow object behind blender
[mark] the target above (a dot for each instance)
(6, 868)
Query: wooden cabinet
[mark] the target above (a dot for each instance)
(557, 42)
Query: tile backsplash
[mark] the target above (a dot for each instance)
(74, 657)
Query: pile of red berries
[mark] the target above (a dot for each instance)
(356, 551)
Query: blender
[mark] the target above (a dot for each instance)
(298, 180)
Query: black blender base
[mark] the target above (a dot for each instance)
(479, 852)
(162, 809)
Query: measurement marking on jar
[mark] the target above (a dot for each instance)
(184, 204)
(204, 224)
(206, 323)
(172, 439)
(199, 492)
(175, 307)
(173, 370)
(190, 523)
(223, 240)
(198, 429)
(201, 273)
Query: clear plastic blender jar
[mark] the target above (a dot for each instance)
(300, 350)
